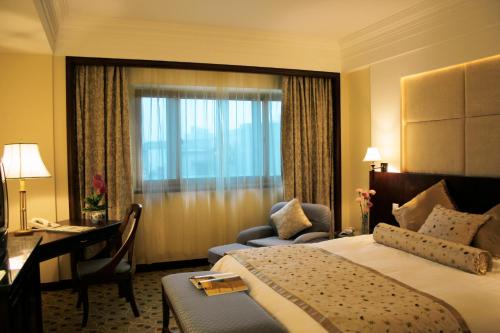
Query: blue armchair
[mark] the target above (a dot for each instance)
(266, 235)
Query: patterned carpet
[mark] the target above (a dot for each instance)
(107, 312)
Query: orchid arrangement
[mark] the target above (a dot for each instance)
(364, 204)
(94, 202)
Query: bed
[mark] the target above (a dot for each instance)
(356, 277)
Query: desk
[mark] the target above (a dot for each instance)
(55, 244)
(20, 299)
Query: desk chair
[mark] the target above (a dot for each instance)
(114, 269)
(106, 249)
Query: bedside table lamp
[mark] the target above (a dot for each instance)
(21, 161)
(372, 155)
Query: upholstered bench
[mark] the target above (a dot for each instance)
(217, 252)
(196, 313)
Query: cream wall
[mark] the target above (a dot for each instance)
(355, 132)
(27, 115)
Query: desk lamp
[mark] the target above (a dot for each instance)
(21, 161)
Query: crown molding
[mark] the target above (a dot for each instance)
(152, 30)
(156, 40)
(427, 23)
(51, 13)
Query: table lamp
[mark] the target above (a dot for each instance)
(372, 155)
(21, 161)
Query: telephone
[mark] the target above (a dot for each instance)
(348, 232)
(39, 223)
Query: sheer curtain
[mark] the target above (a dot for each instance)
(206, 157)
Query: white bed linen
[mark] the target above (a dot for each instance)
(475, 297)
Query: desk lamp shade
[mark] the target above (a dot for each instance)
(23, 160)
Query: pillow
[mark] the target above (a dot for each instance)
(452, 254)
(290, 219)
(413, 213)
(488, 236)
(452, 225)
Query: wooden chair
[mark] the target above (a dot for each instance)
(115, 269)
(110, 246)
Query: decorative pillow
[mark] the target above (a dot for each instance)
(488, 236)
(290, 219)
(448, 253)
(413, 213)
(452, 225)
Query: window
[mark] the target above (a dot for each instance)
(200, 139)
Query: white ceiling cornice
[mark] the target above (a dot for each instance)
(155, 40)
(426, 23)
(152, 30)
(51, 14)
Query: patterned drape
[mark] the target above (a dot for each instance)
(103, 138)
(307, 139)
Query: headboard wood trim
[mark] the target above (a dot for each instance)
(470, 194)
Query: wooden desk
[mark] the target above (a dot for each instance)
(55, 244)
(20, 298)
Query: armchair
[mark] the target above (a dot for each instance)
(266, 235)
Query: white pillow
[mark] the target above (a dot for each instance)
(290, 219)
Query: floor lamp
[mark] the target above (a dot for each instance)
(21, 161)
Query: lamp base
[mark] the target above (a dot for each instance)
(23, 232)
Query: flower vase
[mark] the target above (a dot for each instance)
(97, 216)
(365, 224)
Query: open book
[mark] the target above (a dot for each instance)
(218, 283)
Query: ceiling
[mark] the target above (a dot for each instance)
(21, 27)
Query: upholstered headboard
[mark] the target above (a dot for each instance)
(451, 120)
(470, 194)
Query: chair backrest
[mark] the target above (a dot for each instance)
(133, 216)
(319, 215)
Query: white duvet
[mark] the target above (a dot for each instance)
(475, 297)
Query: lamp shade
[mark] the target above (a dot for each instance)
(372, 155)
(23, 160)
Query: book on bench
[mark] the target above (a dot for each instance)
(218, 283)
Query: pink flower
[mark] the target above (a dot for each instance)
(98, 183)
(359, 190)
(365, 195)
(372, 192)
(369, 204)
(102, 190)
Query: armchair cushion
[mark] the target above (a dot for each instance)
(290, 220)
(261, 231)
(312, 237)
(269, 241)
(318, 215)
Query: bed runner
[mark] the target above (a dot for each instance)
(344, 296)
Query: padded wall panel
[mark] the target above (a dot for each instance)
(482, 86)
(482, 146)
(435, 146)
(435, 96)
